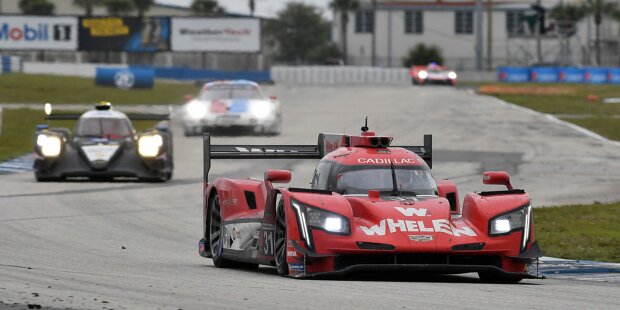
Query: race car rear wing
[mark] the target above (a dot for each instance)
(326, 144)
(131, 116)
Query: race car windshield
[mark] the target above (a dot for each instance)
(231, 92)
(112, 128)
(410, 180)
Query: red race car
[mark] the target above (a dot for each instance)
(371, 207)
(432, 74)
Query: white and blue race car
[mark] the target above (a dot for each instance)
(232, 105)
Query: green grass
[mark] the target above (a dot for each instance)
(583, 232)
(18, 128)
(602, 118)
(26, 88)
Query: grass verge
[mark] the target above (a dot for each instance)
(30, 88)
(18, 128)
(567, 101)
(583, 232)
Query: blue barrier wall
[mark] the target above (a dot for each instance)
(544, 74)
(513, 74)
(593, 75)
(572, 75)
(125, 78)
(181, 73)
(596, 75)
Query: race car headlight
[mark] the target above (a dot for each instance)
(50, 146)
(261, 109)
(309, 217)
(149, 145)
(422, 74)
(196, 109)
(452, 75)
(509, 222)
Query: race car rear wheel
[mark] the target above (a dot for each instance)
(215, 233)
(280, 240)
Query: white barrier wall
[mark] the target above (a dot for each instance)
(68, 69)
(326, 75)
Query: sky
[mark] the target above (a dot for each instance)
(264, 8)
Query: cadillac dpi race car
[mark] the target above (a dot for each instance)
(432, 74)
(371, 207)
(230, 105)
(103, 146)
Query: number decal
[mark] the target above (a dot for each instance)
(268, 242)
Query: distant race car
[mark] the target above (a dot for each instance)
(432, 74)
(236, 104)
(371, 207)
(103, 146)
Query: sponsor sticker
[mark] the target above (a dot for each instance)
(291, 253)
(421, 238)
(297, 267)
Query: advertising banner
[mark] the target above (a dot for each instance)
(545, 74)
(125, 78)
(596, 75)
(241, 35)
(129, 34)
(513, 74)
(38, 33)
(572, 75)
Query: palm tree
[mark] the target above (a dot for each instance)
(142, 6)
(118, 7)
(206, 7)
(343, 7)
(88, 5)
(36, 7)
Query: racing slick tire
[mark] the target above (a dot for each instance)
(280, 240)
(274, 129)
(215, 240)
(414, 81)
(495, 278)
(189, 131)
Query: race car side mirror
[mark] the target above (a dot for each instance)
(497, 178)
(448, 190)
(188, 98)
(278, 176)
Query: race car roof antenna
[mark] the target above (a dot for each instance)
(365, 128)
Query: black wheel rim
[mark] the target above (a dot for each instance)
(280, 245)
(215, 227)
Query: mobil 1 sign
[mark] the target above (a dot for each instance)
(216, 35)
(30, 32)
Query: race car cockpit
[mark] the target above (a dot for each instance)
(402, 180)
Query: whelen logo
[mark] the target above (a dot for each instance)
(38, 32)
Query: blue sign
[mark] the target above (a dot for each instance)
(596, 75)
(572, 75)
(614, 75)
(125, 78)
(513, 74)
(545, 74)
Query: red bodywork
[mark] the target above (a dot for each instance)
(429, 233)
(432, 74)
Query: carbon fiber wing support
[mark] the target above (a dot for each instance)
(326, 144)
(131, 116)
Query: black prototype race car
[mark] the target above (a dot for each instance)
(103, 146)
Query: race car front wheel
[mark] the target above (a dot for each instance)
(280, 242)
(215, 233)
